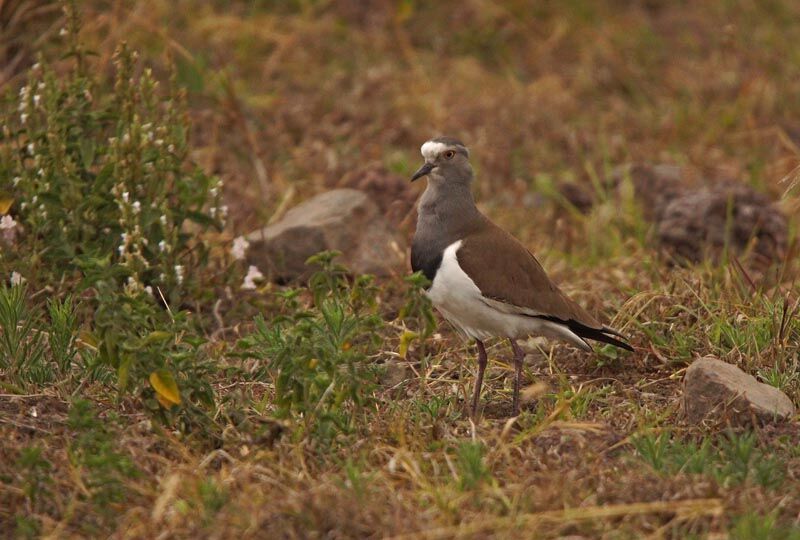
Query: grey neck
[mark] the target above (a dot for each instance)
(447, 212)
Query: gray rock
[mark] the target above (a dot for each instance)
(718, 390)
(346, 220)
(703, 222)
(697, 220)
(395, 372)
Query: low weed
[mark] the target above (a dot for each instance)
(22, 347)
(102, 468)
(319, 354)
(754, 526)
(471, 465)
(732, 459)
(35, 471)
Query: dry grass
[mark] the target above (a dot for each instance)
(288, 101)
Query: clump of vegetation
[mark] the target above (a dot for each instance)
(731, 459)
(108, 208)
(321, 357)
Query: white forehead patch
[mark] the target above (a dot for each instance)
(431, 149)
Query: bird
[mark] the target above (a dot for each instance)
(484, 281)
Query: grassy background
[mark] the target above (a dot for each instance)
(288, 99)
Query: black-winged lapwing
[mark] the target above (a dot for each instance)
(483, 280)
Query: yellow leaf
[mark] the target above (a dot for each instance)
(166, 388)
(5, 205)
(164, 402)
(405, 340)
(88, 339)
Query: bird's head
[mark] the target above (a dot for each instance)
(446, 161)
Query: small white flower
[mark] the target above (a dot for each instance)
(214, 191)
(36, 66)
(239, 249)
(162, 246)
(223, 211)
(163, 220)
(62, 32)
(136, 207)
(253, 274)
(124, 237)
(36, 99)
(40, 172)
(7, 223)
(159, 142)
(179, 273)
(149, 290)
(23, 117)
(125, 196)
(213, 211)
(16, 180)
(126, 138)
(16, 278)
(23, 91)
(31, 148)
(171, 148)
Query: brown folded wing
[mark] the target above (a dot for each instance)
(505, 271)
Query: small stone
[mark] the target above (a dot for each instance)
(715, 389)
(395, 373)
(346, 220)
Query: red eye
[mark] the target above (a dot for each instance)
(449, 154)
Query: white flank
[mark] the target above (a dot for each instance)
(431, 149)
(460, 301)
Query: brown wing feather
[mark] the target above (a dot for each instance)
(504, 270)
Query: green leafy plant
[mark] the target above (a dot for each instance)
(63, 332)
(319, 355)
(731, 460)
(471, 464)
(93, 452)
(35, 471)
(106, 204)
(753, 526)
(22, 344)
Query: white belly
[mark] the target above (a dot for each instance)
(460, 301)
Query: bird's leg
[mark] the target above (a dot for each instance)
(519, 357)
(482, 361)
